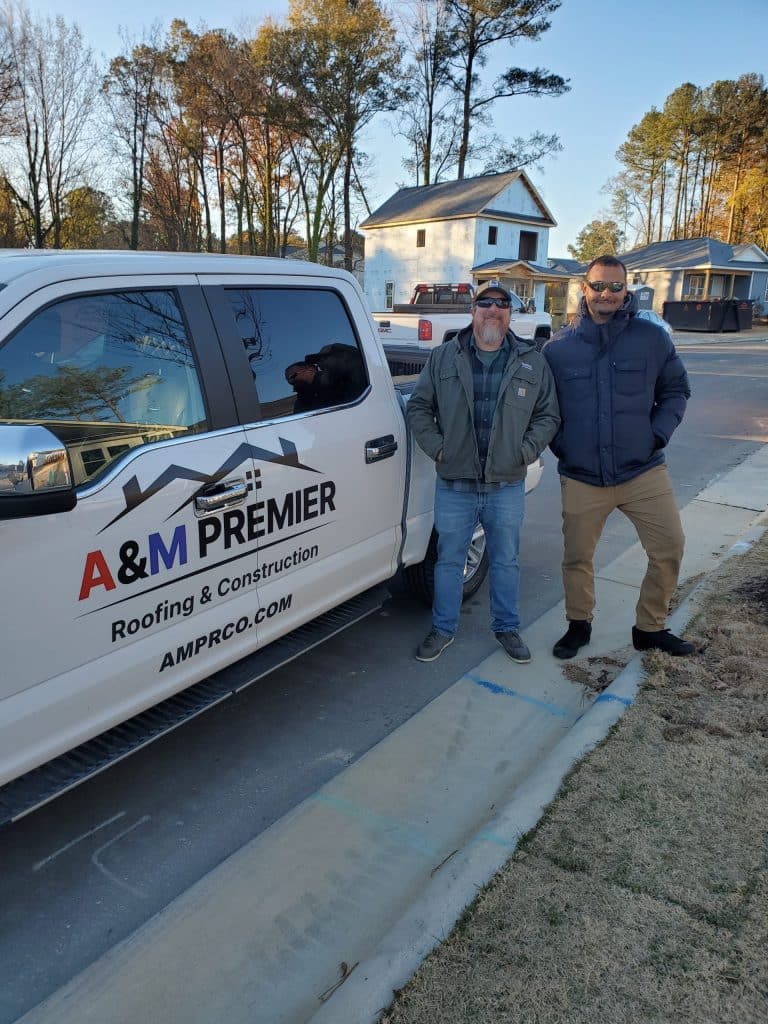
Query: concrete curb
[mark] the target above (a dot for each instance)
(369, 987)
(754, 334)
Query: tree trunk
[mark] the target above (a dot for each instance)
(734, 190)
(221, 189)
(348, 254)
(466, 110)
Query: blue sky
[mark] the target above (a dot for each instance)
(621, 57)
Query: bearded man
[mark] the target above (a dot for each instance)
(484, 408)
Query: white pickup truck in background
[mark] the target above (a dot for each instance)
(205, 471)
(437, 311)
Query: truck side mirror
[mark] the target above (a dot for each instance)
(530, 306)
(35, 472)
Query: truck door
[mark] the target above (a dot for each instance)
(327, 437)
(123, 600)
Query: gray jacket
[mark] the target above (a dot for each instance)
(440, 412)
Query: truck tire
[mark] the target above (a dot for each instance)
(542, 336)
(420, 579)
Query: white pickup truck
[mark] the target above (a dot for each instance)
(204, 471)
(437, 311)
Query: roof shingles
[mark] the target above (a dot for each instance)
(451, 199)
(688, 253)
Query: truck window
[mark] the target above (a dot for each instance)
(105, 373)
(301, 347)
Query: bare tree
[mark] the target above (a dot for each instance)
(479, 25)
(343, 69)
(8, 75)
(131, 90)
(430, 117)
(46, 152)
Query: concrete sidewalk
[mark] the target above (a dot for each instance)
(371, 871)
(754, 334)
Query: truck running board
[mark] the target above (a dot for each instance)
(50, 780)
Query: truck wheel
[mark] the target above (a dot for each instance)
(420, 578)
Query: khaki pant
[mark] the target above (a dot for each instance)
(649, 503)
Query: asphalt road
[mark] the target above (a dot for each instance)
(83, 872)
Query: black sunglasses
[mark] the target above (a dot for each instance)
(487, 303)
(600, 286)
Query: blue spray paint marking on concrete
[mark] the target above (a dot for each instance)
(626, 701)
(505, 691)
(394, 829)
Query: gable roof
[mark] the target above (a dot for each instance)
(747, 250)
(690, 254)
(571, 267)
(449, 200)
(507, 267)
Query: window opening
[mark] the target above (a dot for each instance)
(528, 245)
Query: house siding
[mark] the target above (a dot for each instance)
(507, 242)
(392, 255)
(759, 290)
(667, 285)
(516, 197)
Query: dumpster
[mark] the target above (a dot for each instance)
(704, 315)
(744, 314)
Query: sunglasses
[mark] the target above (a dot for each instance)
(487, 303)
(600, 286)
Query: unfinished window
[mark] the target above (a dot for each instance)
(492, 233)
(389, 294)
(421, 238)
(693, 286)
(522, 286)
(528, 245)
(718, 286)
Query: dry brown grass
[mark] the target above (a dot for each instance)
(643, 894)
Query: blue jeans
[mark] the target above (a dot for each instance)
(457, 513)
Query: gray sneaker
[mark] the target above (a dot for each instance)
(514, 647)
(432, 646)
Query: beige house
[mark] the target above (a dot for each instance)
(689, 270)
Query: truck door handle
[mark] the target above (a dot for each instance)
(222, 495)
(380, 448)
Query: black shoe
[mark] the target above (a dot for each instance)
(513, 646)
(660, 640)
(578, 635)
(433, 645)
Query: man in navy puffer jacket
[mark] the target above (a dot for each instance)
(622, 390)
